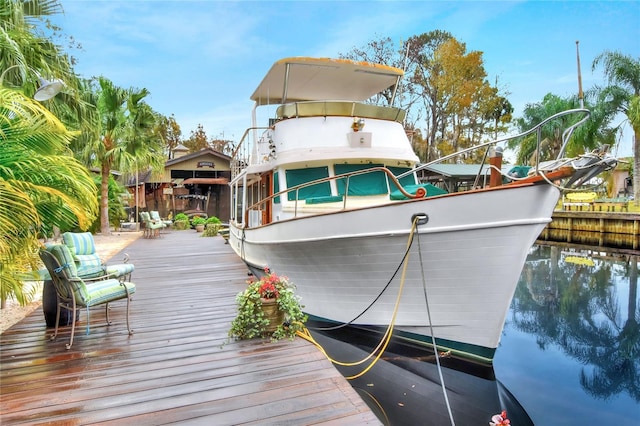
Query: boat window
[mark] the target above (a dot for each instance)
(237, 201)
(300, 176)
(365, 184)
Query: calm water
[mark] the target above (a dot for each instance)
(569, 355)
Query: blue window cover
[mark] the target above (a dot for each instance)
(276, 188)
(366, 184)
(300, 176)
(431, 191)
(407, 180)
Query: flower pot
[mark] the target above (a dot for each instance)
(181, 225)
(200, 228)
(272, 313)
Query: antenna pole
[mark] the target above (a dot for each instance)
(580, 94)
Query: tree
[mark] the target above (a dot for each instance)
(223, 146)
(379, 51)
(623, 76)
(198, 140)
(460, 105)
(446, 85)
(41, 186)
(27, 53)
(122, 137)
(594, 133)
(169, 130)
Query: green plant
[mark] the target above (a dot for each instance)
(181, 216)
(212, 226)
(251, 321)
(181, 222)
(213, 220)
(211, 230)
(197, 220)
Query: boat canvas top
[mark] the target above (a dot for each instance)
(312, 79)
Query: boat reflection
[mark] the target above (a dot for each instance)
(584, 302)
(404, 386)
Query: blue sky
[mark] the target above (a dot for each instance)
(201, 60)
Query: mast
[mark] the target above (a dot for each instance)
(580, 94)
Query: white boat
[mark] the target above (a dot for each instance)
(315, 198)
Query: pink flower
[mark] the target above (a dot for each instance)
(268, 290)
(500, 419)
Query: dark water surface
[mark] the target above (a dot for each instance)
(569, 354)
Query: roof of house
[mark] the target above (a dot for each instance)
(202, 152)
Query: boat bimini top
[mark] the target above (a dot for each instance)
(315, 79)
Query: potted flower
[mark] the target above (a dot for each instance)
(181, 221)
(268, 306)
(212, 226)
(198, 223)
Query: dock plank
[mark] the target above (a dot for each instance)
(178, 366)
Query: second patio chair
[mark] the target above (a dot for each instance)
(151, 227)
(155, 216)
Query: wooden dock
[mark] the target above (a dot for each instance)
(176, 368)
(603, 229)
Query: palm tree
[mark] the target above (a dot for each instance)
(623, 76)
(588, 136)
(41, 186)
(27, 53)
(121, 137)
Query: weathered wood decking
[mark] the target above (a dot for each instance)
(175, 368)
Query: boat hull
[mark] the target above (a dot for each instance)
(462, 269)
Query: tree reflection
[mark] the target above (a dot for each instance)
(576, 300)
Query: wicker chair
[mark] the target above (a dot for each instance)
(74, 292)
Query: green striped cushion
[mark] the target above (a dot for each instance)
(82, 247)
(90, 271)
(62, 253)
(107, 290)
(80, 243)
(70, 272)
(88, 259)
(121, 269)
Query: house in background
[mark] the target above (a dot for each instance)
(622, 181)
(196, 183)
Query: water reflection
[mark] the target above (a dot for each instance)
(571, 344)
(578, 301)
(404, 386)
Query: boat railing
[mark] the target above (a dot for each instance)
(262, 204)
(566, 135)
(240, 156)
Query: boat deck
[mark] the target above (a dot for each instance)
(176, 367)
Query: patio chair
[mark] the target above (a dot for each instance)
(151, 227)
(155, 216)
(74, 292)
(83, 249)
